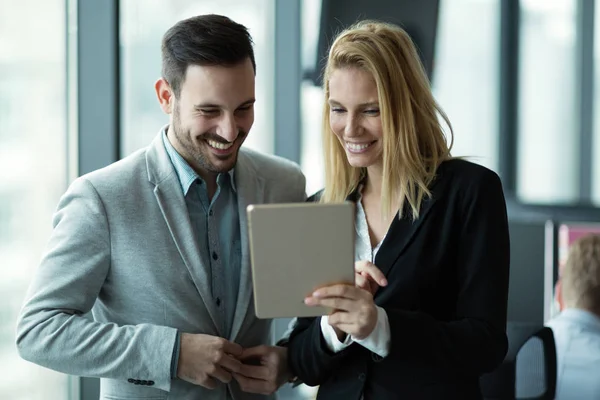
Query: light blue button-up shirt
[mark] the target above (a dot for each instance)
(577, 337)
(217, 227)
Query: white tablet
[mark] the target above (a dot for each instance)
(296, 248)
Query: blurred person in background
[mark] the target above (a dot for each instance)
(155, 245)
(577, 327)
(433, 320)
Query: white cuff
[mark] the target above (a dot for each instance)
(379, 340)
(333, 343)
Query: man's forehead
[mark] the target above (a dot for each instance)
(201, 73)
(216, 83)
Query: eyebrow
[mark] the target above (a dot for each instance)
(368, 104)
(213, 105)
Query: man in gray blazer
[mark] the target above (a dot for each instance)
(155, 245)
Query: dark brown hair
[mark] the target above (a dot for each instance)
(203, 40)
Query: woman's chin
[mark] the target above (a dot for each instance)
(359, 161)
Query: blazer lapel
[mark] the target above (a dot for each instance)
(401, 233)
(174, 210)
(250, 190)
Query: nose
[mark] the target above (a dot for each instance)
(228, 128)
(352, 127)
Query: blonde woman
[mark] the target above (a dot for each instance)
(436, 228)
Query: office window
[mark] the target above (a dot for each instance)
(311, 101)
(547, 137)
(143, 23)
(596, 121)
(33, 171)
(311, 157)
(465, 76)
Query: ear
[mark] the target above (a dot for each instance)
(165, 95)
(559, 296)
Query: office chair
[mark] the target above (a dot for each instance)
(528, 371)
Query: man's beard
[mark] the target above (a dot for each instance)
(184, 137)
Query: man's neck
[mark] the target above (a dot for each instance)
(595, 312)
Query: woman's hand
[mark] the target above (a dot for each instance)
(354, 310)
(369, 277)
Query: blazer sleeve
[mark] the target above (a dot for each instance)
(308, 355)
(475, 342)
(52, 329)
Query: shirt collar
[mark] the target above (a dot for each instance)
(186, 174)
(582, 316)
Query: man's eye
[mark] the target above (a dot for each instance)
(337, 110)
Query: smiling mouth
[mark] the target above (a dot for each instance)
(218, 145)
(358, 147)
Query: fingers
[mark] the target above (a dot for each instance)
(230, 363)
(340, 318)
(336, 303)
(348, 329)
(250, 385)
(220, 374)
(359, 325)
(232, 348)
(361, 282)
(371, 270)
(254, 352)
(255, 372)
(344, 291)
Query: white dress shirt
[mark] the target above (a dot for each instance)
(379, 340)
(577, 337)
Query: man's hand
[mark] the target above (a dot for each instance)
(265, 369)
(202, 358)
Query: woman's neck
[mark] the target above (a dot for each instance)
(374, 181)
(372, 192)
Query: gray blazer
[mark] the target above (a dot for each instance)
(123, 248)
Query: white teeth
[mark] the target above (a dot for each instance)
(356, 146)
(218, 145)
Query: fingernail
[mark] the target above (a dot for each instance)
(316, 294)
(384, 282)
(307, 300)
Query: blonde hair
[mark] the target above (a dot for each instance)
(414, 143)
(580, 276)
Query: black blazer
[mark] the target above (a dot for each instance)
(446, 300)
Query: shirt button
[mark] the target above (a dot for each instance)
(210, 213)
(218, 301)
(362, 377)
(215, 256)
